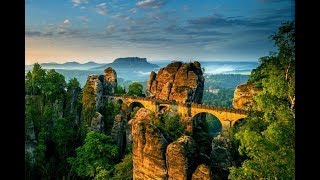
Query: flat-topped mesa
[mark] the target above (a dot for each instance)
(243, 96)
(182, 82)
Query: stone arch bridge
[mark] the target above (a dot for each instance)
(226, 116)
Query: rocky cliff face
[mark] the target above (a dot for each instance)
(182, 82)
(180, 158)
(118, 132)
(148, 148)
(155, 158)
(202, 172)
(110, 77)
(101, 85)
(243, 96)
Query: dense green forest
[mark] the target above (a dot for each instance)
(224, 85)
(60, 143)
(267, 137)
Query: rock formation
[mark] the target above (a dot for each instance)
(180, 158)
(151, 78)
(182, 82)
(148, 148)
(243, 96)
(101, 85)
(118, 132)
(97, 123)
(202, 172)
(110, 76)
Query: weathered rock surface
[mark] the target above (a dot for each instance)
(92, 81)
(220, 157)
(110, 76)
(97, 123)
(118, 132)
(202, 172)
(101, 85)
(148, 148)
(151, 78)
(243, 96)
(180, 158)
(182, 82)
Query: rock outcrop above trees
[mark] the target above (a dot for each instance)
(182, 82)
(243, 96)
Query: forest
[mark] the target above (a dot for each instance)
(60, 143)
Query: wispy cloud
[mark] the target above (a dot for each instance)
(121, 16)
(133, 10)
(151, 3)
(79, 2)
(83, 19)
(273, 1)
(66, 22)
(102, 8)
(111, 28)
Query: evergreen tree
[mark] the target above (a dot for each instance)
(269, 140)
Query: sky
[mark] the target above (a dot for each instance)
(103, 30)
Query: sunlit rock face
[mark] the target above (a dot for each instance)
(202, 172)
(148, 148)
(182, 82)
(243, 96)
(180, 158)
(110, 76)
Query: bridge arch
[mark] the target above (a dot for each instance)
(165, 108)
(119, 101)
(212, 122)
(134, 105)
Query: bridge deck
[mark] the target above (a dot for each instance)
(187, 104)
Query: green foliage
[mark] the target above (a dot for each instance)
(134, 112)
(223, 98)
(124, 170)
(49, 124)
(226, 81)
(268, 138)
(214, 125)
(135, 89)
(73, 84)
(112, 109)
(119, 90)
(54, 86)
(28, 83)
(38, 79)
(88, 106)
(171, 125)
(98, 153)
(201, 134)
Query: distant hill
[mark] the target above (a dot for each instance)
(67, 65)
(129, 63)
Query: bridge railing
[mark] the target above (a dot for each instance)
(186, 104)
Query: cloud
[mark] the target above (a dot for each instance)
(273, 1)
(37, 34)
(102, 9)
(111, 28)
(121, 16)
(154, 4)
(84, 19)
(67, 22)
(133, 10)
(216, 20)
(78, 2)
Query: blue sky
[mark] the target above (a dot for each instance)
(102, 30)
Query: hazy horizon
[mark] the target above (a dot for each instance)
(150, 61)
